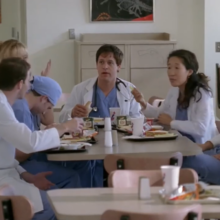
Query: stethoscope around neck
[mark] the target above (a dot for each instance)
(118, 81)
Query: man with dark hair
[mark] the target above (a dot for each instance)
(14, 83)
(104, 91)
(44, 94)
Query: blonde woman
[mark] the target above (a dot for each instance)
(13, 48)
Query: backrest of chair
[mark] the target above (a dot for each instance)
(20, 206)
(157, 102)
(130, 178)
(183, 213)
(115, 162)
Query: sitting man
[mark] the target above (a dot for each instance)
(104, 91)
(43, 95)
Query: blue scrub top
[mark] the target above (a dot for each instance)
(23, 113)
(36, 122)
(103, 103)
(181, 115)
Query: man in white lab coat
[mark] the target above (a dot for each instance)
(104, 91)
(14, 83)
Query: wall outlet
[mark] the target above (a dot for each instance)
(72, 35)
(217, 47)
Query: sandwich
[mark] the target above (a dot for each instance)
(156, 133)
(88, 107)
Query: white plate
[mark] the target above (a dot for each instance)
(132, 137)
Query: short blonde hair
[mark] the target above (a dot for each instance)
(12, 48)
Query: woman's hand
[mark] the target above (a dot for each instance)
(139, 97)
(164, 119)
(46, 72)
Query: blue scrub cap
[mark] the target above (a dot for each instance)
(48, 87)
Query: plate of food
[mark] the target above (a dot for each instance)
(124, 129)
(153, 136)
(192, 193)
(128, 128)
(69, 147)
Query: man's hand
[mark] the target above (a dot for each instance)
(164, 119)
(217, 156)
(46, 72)
(39, 180)
(79, 111)
(139, 97)
(207, 146)
(74, 125)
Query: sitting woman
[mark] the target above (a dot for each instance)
(188, 106)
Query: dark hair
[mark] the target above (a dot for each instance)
(109, 48)
(195, 81)
(12, 71)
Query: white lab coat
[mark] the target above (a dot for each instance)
(201, 119)
(83, 92)
(17, 135)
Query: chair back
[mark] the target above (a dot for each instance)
(14, 207)
(181, 213)
(130, 178)
(118, 162)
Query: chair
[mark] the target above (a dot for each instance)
(182, 213)
(14, 207)
(129, 179)
(118, 162)
(62, 101)
(155, 101)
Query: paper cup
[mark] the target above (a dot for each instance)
(170, 178)
(137, 126)
(108, 124)
(114, 112)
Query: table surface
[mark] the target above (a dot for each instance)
(133, 148)
(89, 204)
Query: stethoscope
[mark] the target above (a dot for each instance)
(118, 81)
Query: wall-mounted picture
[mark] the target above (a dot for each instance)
(122, 10)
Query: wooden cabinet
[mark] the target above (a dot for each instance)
(151, 81)
(144, 63)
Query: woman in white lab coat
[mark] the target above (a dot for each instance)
(188, 106)
(14, 83)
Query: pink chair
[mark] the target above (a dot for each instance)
(21, 208)
(116, 162)
(184, 213)
(129, 179)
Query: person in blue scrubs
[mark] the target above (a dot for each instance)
(44, 94)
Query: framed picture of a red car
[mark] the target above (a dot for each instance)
(122, 10)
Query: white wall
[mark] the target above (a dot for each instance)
(10, 18)
(48, 22)
(212, 35)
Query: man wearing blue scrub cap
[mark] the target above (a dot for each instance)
(43, 95)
